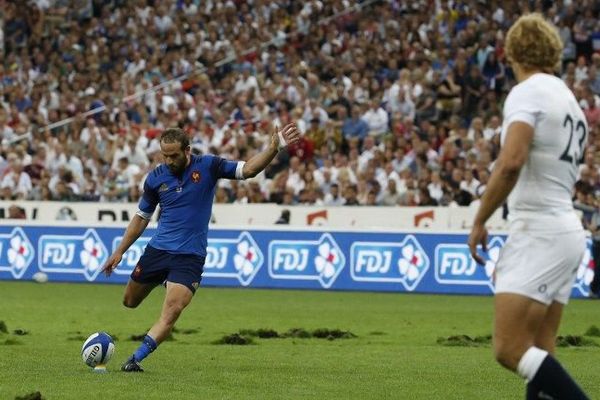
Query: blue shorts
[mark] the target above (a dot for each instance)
(157, 266)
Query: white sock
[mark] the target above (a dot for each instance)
(530, 362)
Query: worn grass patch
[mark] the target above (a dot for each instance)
(31, 396)
(235, 339)
(465, 341)
(592, 331)
(301, 333)
(260, 333)
(11, 342)
(191, 331)
(332, 334)
(575, 341)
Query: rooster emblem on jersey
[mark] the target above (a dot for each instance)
(195, 176)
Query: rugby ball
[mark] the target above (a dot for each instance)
(97, 349)
(40, 277)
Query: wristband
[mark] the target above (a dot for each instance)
(282, 143)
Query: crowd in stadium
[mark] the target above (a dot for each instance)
(400, 101)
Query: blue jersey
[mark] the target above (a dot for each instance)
(185, 202)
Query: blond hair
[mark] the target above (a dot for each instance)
(534, 44)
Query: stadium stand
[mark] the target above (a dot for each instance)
(400, 102)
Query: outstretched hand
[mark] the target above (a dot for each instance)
(286, 136)
(112, 264)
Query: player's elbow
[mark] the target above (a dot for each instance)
(511, 167)
(249, 173)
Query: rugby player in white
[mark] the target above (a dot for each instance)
(543, 138)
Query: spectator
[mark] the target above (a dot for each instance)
(16, 183)
(355, 126)
(376, 118)
(432, 95)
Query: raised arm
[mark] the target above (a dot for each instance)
(288, 135)
(135, 228)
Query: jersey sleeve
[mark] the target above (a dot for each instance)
(149, 200)
(222, 168)
(522, 105)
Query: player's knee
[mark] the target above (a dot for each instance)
(507, 356)
(130, 302)
(172, 311)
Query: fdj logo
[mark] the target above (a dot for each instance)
(585, 272)
(404, 262)
(455, 266)
(131, 256)
(83, 254)
(320, 260)
(233, 258)
(16, 253)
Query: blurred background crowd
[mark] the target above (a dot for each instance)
(399, 101)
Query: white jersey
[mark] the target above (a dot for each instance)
(542, 197)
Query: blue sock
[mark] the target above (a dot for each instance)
(148, 346)
(555, 382)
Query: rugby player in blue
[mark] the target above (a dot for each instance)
(184, 186)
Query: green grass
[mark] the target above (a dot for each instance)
(394, 356)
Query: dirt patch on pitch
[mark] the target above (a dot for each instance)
(186, 331)
(332, 334)
(141, 336)
(11, 342)
(235, 339)
(260, 333)
(294, 333)
(575, 341)
(465, 341)
(592, 331)
(31, 396)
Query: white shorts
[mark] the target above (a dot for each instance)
(540, 265)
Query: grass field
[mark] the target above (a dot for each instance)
(394, 356)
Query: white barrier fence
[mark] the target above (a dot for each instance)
(436, 218)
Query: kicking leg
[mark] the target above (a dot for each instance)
(136, 292)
